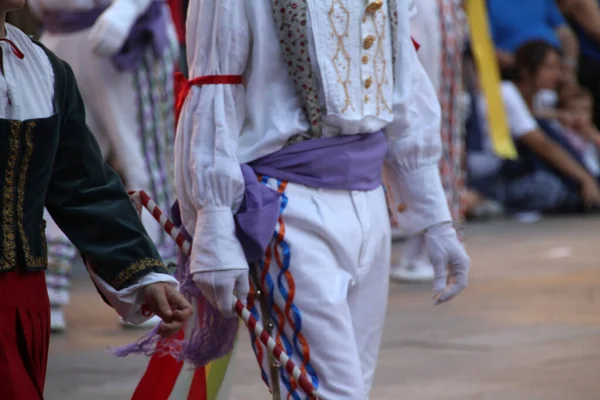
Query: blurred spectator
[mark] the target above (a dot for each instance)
(579, 102)
(476, 206)
(550, 175)
(178, 14)
(515, 22)
(580, 130)
(438, 26)
(585, 19)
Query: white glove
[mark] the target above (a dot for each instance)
(450, 262)
(218, 288)
(110, 31)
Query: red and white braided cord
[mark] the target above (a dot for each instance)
(241, 310)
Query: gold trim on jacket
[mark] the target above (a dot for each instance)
(13, 214)
(9, 258)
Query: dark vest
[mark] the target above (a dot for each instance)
(56, 163)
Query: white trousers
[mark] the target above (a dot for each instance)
(325, 277)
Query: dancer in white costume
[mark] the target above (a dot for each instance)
(129, 106)
(311, 96)
(439, 26)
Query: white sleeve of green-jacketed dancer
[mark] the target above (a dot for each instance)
(209, 129)
(414, 139)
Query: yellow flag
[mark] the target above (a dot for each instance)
(489, 78)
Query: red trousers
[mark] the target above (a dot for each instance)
(24, 335)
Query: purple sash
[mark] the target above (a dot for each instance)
(149, 30)
(349, 162)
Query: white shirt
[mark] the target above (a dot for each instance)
(29, 83)
(222, 126)
(520, 122)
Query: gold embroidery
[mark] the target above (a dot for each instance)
(368, 43)
(374, 6)
(368, 82)
(365, 59)
(9, 258)
(134, 269)
(342, 62)
(380, 64)
(31, 260)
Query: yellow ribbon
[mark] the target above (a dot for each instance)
(489, 78)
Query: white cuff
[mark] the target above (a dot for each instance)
(422, 200)
(128, 302)
(216, 246)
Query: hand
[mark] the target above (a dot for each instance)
(588, 132)
(450, 262)
(218, 288)
(579, 126)
(590, 193)
(170, 305)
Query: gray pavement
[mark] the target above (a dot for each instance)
(527, 328)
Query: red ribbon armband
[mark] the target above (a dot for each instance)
(183, 86)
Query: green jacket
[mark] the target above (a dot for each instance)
(56, 163)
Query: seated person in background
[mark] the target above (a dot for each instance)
(582, 132)
(584, 16)
(546, 178)
(578, 103)
(571, 117)
(515, 22)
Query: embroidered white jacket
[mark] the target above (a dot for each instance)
(222, 126)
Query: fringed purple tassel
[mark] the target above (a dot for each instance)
(151, 344)
(146, 345)
(211, 337)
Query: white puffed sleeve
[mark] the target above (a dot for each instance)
(414, 138)
(209, 181)
(111, 29)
